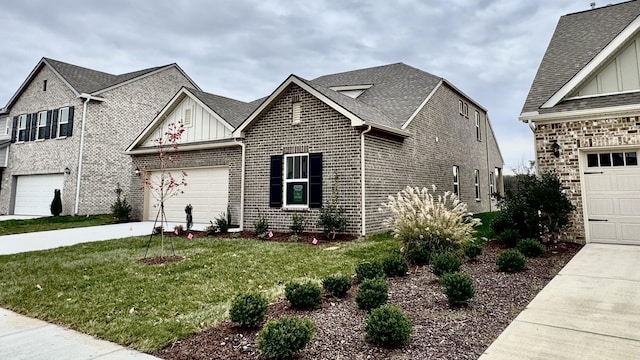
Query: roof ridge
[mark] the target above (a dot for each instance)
(598, 8)
(49, 60)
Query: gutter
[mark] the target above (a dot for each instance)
(242, 145)
(362, 183)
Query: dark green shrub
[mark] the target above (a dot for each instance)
(372, 294)
(56, 204)
(248, 309)
(472, 250)
(337, 284)
(222, 223)
(509, 237)
(369, 270)
(281, 339)
(419, 255)
(262, 227)
(395, 265)
(297, 223)
(333, 220)
(530, 247)
(388, 326)
(121, 209)
(511, 261)
(447, 262)
(458, 287)
(306, 295)
(211, 229)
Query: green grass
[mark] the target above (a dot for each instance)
(485, 230)
(99, 288)
(9, 227)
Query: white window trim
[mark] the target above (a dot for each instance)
(7, 126)
(492, 183)
(286, 181)
(188, 122)
(476, 180)
(478, 132)
(456, 180)
(460, 107)
(62, 121)
(465, 110)
(296, 112)
(38, 126)
(22, 126)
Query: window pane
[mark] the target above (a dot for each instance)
(296, 167)
(632, 158)
(297, 193)
(605, 159)
(289, 168)
(592, 160)
(618, 159)
(63, 115)
(455, 174)
(305, 167)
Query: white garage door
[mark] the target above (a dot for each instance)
(207, 191)
(612, 197)
(34, 193)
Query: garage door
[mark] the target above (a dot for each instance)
(612, 197)
(34, 193)
(207, 191)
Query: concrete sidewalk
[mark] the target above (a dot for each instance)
(590, 310)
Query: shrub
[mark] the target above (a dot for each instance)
(121, 209)
(447, 262)
(372, 294)
(369, 270)
(472, 250)
(509, 237)
(189, 211)
(421, 220)
(56, 204)
(298, 222)
(388, 326)
(511, 261)
(262, 226)
(395, 265)
(211, 229)
(178, 229)
(248, 309)
(530, 247)
(418, 255)
(222, 223)
(333, 220)
(458, 287)
(337, 284)
(281, 339)
(306, 295)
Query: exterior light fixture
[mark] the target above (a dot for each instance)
(67, 170)
(555, 148)
(137, 171)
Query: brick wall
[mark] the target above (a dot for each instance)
(573, 137)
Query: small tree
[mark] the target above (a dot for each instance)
(56, 204)
(333, 218)
(121, 209)
(188, 210)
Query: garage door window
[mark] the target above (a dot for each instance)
(628, 158)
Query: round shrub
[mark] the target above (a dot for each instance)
(248, 309)
(472, 250)
(337, 284)
(372, 293)
(369, 270)
(419, 255)
(447, 262)
(388, 326)
(306, 295)
(395, 265)
(458, 287)
(509, 237)
(280, 339)
(530, 247)
(511, 261)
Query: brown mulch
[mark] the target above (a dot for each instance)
(439, 331)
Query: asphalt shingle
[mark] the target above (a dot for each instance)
(232, 111)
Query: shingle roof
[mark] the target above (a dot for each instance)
(397, 91)
(232, 111)
(577, 39)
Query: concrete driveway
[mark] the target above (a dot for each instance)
(590, 310)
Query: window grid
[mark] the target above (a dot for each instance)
(478, 134)
(42, 125)
(296, 180)
(456, 181)
(476, 176)
(615, 159)
(63, 121)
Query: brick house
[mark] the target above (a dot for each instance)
(584, 110)
(66, 128)
(373, 130)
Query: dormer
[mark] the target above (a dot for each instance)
(352, 91)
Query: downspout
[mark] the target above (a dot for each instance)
(87, 98)
(242, 145)
(486, 146)
(363, 187)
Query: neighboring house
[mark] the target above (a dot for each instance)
(365, 134)
(66, 128)
(584, 110)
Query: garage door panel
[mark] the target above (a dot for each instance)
(630, 232)
(628, 182)
(599, 183)
(599, 207)
(629, 207)
(603, 230)
(34, 193)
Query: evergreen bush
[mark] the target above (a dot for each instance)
(372, 294)
(56, 204)
(458, 287)
(395, 265)
(530, 248)
(511, 261)
(248, 309)
(388, 326)
(305, 295)
(447, 262)
(281, 339)
(369, 270)
(337, 284)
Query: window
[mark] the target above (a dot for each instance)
(616, 159)
(7, 126)
(476, 176)
(63, 122)
(44, 85)
(187, 117)
(22, 127)
(478, 134)
(42, 125)
(465, 110)
(461, 107)
(296, 112)
(492, 183)
(296, 180)
(456, 181)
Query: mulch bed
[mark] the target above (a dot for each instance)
(439, 331)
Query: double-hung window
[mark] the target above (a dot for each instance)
(492, 183)
(456, 181)
(22, 127)
(296, 180)
(478, 134)
(476, 181)
(42, 125)
(63, 121)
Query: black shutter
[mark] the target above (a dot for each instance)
(275, 182)
(70, 125)
(315, 180)
(47, 129)
(32, 120)
(54, 124)
(14, 129)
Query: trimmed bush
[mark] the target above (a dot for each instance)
(262, 227)
(369, 270)
(56, 204)
(248, 309)
(509, 237)
(530, 247)
(443, 263)
(511, 261)
(372, 294)
(395, 265)
(419, 255)
(281, 339)
(337, 284)
(472, 250)
(306, 295)
(458, 287)
(388, 326)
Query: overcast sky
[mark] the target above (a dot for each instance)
(244, 49)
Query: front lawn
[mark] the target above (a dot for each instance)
(100, 289)
(8, 227)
